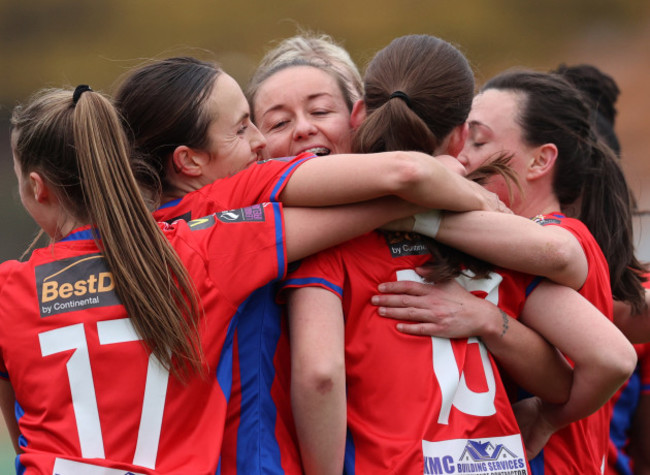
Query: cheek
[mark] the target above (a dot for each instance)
(277, 145)
(498, 186)
(341, 138)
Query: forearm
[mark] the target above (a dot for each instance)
(529, 360)
(413, 176)
(308, 230)
(602, 357)
(318, 378)
(516, 243)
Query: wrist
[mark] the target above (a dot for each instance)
(427, 223)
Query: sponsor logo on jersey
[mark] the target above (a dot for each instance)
(494, 456)
(183, 217)
(76, 283)
(249, 214)
(544, 220)
(405, 244)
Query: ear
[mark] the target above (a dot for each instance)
(457, 139)
(542, 161)
(187, 161)
(358, 114)
(39, 188)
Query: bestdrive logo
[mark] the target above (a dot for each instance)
(74, 284)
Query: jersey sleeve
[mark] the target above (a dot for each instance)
(5, 272)
(241, 248)
(260, 182)
(324, 269)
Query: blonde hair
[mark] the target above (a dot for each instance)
(81, 152)
(310, 49)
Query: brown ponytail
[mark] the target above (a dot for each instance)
(81, 151)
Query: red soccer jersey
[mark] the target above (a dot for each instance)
(581, 447)
(260, 433)
(90, 398)
(415, 404)
(260, 182)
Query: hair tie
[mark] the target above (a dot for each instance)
(401, 95)
(79, 90)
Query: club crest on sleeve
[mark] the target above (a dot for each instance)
(544, 220)
(253, 213)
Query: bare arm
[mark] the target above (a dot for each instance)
(318, 378)
(603, 358)
(308, 230)
(7, 400)
(412, 176)
(548, 251)
(450, 311)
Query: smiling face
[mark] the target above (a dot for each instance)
(301, 108)
(233, 140)
(493, 130)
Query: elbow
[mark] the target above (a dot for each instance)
(560, 254)
(409, 170)
(320, 379)
(619, 364)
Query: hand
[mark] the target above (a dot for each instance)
(535, 428)
(492, 202)
(444, 309)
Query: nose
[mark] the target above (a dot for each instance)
(258, 141)
(304, 128)
(462, 158)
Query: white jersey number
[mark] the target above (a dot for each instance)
(82, 388)
(453, 385)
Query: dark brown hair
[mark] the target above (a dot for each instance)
(162, 104)
(553, 111)
(438, 86)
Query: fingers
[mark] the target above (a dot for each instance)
(406, 313)
(405, 287)
(418, 329)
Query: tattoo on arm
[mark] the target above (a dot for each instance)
(504, 315)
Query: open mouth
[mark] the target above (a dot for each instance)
(320, 151)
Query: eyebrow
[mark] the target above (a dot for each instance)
(478, 123)
(243, 117)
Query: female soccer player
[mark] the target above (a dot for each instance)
(117, 337)
(403, 414)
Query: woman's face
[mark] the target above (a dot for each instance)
(493, 130)
(302, 109)
(233, 140)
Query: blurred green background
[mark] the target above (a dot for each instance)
(68, 42)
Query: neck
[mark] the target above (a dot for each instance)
(537, 201)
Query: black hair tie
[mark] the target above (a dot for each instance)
(79, 90)
(401, 95)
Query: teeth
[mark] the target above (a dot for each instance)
(320, 151)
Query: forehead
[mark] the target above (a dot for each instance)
(297, 82)
(227, 98)
(496, 109)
